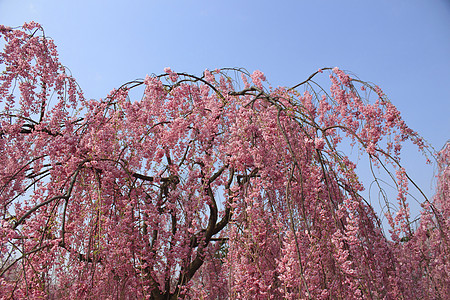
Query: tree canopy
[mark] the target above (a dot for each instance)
(211, 186)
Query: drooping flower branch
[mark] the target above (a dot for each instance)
(204, 189)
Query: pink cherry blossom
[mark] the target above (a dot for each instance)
(202, 189)
(172, 75)
(319, 143)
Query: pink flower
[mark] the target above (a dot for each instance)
(172, 75)
(319, 143)
(209, 76)
(257, 78)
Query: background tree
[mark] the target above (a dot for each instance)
(214, 186)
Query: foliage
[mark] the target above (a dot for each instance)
(206, 188)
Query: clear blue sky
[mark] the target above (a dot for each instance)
(402, 45)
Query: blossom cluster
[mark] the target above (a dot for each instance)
(203, 190)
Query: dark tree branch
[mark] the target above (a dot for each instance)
(66, 197)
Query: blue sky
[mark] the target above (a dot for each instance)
(403, 46)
